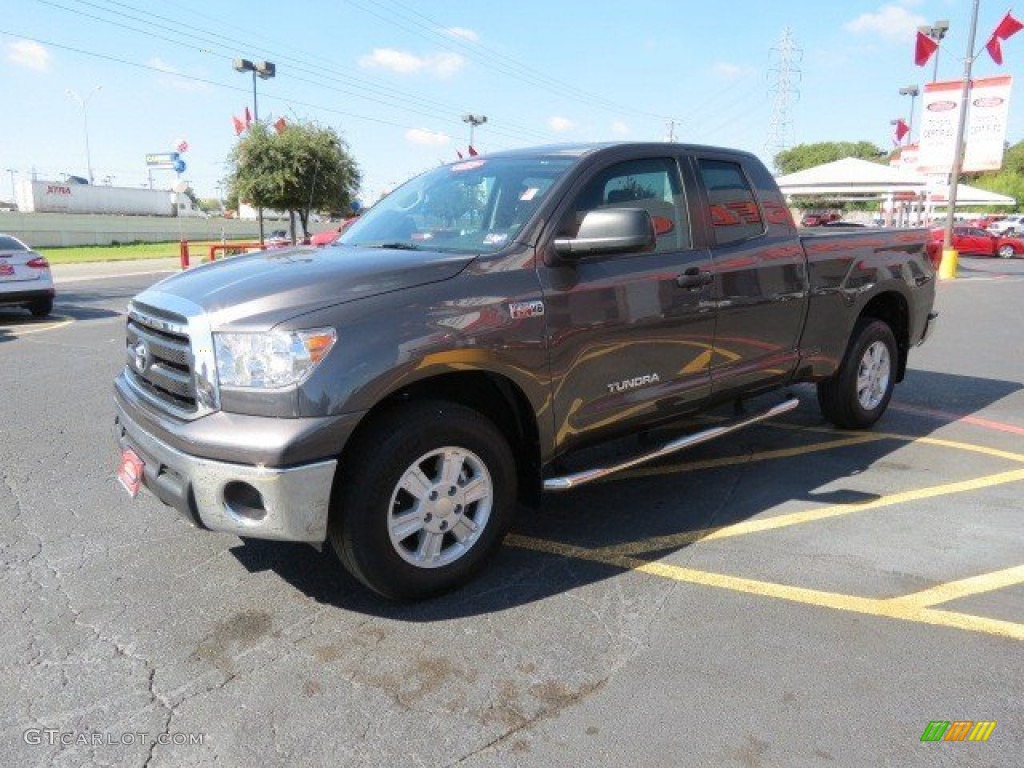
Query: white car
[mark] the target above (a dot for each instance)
(25, 278)
(1009, 226)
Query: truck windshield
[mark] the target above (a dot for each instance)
(473, 206)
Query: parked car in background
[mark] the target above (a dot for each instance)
(277, 238)
(973, 241)
(25, 279)
(1008, 225)
(329, 236)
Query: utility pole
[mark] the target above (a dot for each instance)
(671, 135)
(947, 268)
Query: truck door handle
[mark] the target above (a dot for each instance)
(694, 278)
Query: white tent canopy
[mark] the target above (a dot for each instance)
(850, 176)
(966, 195)
(907, 196)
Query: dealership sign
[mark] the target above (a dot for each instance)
(988, 107)
(162, 159)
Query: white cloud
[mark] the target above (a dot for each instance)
(463, 33)
(893, 22)
(726, 70)
(176, 83)
(427, 137)
(29, 54)
(561, 124)
(405, 63)
(619, 128)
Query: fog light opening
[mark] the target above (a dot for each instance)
(244, 502)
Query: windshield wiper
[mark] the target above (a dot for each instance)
(396, 246)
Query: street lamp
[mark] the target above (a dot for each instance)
(936, 32)
(474, 121)
(911, 91)
(85, 122)
(264, 70)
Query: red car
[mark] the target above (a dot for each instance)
(329, 236)
(975, 241)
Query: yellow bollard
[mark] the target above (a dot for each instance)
(947, 267)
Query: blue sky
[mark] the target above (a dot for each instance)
(394, 77)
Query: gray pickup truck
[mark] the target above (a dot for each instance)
(399, 393)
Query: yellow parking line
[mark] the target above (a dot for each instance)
(888, 608)
(811, 515)
(953, 590)
(14, 331)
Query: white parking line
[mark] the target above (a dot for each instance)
(65, 280)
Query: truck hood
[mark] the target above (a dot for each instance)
(265, 288)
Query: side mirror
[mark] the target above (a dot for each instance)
(613, 230)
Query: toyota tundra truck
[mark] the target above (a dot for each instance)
(398, 394)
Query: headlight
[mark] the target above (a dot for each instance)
(270, 360)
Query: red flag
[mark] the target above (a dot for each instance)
(279, 125)
(1008, 27)
(924, 49)
(472, 152)
(902, 129)
(994, 49)
(248, 117)
(239, 125)
(459, 154)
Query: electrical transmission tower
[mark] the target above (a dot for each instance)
(783, 90)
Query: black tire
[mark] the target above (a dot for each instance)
(416, 442)
(856, 396)
(41, 307)
(1006, 252)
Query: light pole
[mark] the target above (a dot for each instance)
(264, 70)
(948, 266)
(14, 190)
(85, 121)
(911, 91)
(936, 32)
(474, 121)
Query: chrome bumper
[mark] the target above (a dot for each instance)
(287, 504)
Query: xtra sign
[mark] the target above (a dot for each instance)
(988, 107)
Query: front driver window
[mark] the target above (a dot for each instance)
(651, 184)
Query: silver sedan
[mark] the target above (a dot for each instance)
(25, 278)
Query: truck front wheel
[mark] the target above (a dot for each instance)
(858, 394)
(425, 501)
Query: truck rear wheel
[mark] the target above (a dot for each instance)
(859, 392)
(425, 501)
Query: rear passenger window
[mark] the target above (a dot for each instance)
(651, 184)
(735, 215)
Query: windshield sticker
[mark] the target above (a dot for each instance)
(469, 165)
(529, 194)
(496, 238)
(520, 310)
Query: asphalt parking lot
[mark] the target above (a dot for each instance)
(789, 596)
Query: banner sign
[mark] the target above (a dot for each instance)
(988, 109)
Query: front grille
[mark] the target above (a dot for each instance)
(159, 357)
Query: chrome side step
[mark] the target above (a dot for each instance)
(568, 482)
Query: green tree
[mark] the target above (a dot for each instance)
(303, 168)
(1009, 180)
(809, 155)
